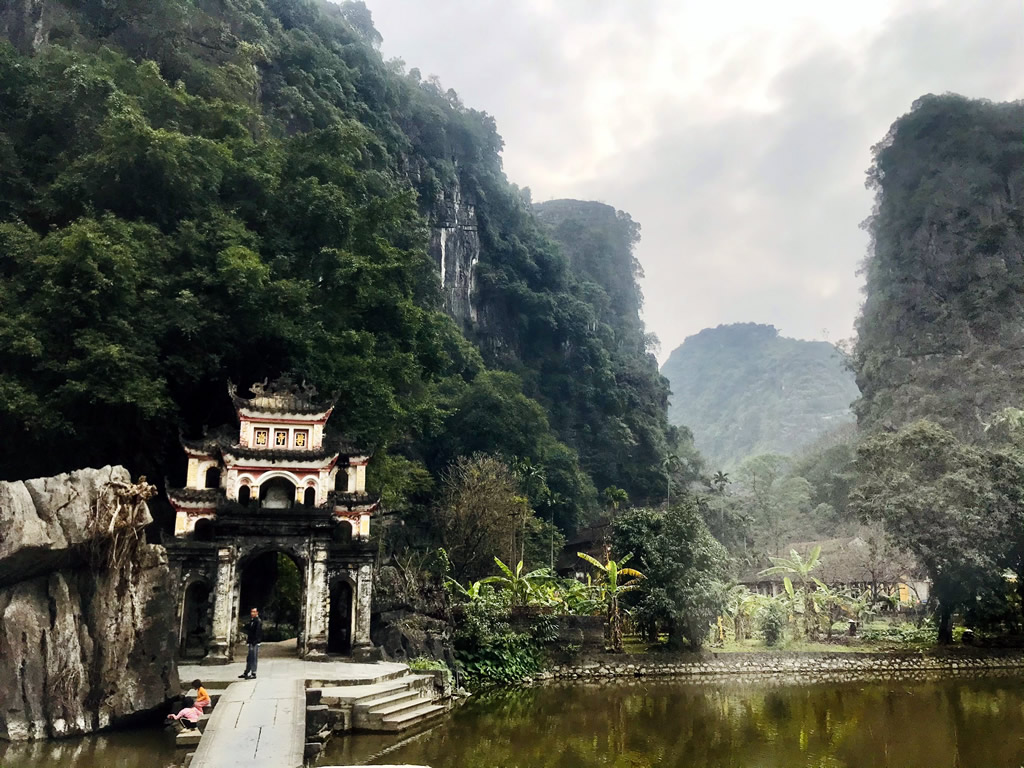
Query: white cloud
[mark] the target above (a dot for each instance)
(736, 133)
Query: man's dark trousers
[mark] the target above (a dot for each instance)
(252, 658)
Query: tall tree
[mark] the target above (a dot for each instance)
(958, 508)
(685, 569)
(479, 515)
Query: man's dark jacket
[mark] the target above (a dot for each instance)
(254, 632)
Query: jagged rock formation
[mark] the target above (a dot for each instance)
(744, 390)
(410, 617)
(86, 622)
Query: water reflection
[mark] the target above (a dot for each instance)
(152, 748)
(956, 724)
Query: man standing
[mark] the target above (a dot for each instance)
(253, 636)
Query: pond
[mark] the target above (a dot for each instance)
(976, 723)
(145, 748)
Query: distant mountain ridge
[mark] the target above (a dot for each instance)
(743, 390)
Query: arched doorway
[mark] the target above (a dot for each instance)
(339, 627)
(272, 582)
(213, 477)
(194, 632)
(309, 497)
(243, 495)
(203, 530)
(277, 493)
(342, 533)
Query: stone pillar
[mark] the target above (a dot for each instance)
(220, 649)
(318, 602)
(362, 605)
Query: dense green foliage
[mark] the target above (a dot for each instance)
(684, 567)
(605, 391)
(197, 191)
(770, 501)
(958, 508)
(489, 650)
(940, 335)
(743, 390)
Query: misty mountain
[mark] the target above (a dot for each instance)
(743, 389)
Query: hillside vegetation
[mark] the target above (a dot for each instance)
(941, 334)
(196, 191)
(744, 390)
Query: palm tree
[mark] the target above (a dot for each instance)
(614, 498)
(613, 590)
(521, 587)
(670, 463)
(533, 478)
(796, 565)
(553, 500)
(720, 480)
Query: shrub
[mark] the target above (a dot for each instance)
(489, 652)
(771, 620)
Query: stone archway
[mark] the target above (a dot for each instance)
(273, 580)
(341, 623)
(195, 626)
(277, 493)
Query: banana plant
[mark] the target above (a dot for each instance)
(832, 604)
(520, 587)
(613, 589)
(801, 568)
(472, 592)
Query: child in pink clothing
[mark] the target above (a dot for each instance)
(188, 718)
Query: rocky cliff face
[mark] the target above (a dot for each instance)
(86, 618)
(455, 247)
(24, 23)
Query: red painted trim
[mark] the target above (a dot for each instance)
(272, 420)
(278, 467)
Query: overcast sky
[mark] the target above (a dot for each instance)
(736, 133)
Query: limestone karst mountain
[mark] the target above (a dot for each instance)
(743, 389)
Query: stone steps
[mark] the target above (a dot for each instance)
(376, 706)
(411, 701)
(335, 695)
(409, 718)
(191, 738)
(344, 682)
(391, 703)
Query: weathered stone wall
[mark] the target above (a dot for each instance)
(84, 641)
(787, 667)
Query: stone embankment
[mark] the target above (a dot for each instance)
(787, 667)
(86, 618)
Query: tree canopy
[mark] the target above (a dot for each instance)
(196, 192)
(958, 508)
(685, 570)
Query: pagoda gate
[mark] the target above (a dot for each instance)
(281, 484)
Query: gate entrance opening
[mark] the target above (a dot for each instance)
(272, 583)
(339, 627)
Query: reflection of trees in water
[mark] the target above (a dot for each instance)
(632, 724)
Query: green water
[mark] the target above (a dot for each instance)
(150, 748)
(975, 723)
(951, 724)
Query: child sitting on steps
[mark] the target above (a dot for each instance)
(188, 718)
